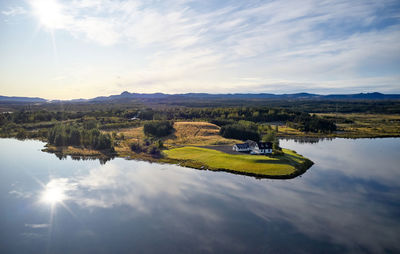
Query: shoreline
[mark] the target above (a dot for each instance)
(328, 136)
(78, 153)
(299, 171)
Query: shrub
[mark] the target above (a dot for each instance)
(136, 147)
(158, 128)
(90, 124)
(21, 134)
(154, 150)
(160, 144)
(104, 141)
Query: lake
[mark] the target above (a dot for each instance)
(348, 201)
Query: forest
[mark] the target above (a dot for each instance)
(24, 121)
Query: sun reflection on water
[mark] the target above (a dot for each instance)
(53, 193)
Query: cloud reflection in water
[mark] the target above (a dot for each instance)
(332, 209)
(342, 202)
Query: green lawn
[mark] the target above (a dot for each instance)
(255, 164)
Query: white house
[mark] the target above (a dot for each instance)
(241, 147)
(262, 148)
(254, 147)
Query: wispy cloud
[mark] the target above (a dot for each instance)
(12, 11)
(191, 45)
(37, 225)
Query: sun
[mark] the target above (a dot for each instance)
(49, 13)
(53, 194)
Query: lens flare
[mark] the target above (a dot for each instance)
(49, 13)
(53, 194)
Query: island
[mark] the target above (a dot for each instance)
(196, 145)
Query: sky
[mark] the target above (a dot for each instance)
(58, 49)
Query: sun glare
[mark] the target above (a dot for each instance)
(49, 13)
(53, 194)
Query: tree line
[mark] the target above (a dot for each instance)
(242, 130)
(88, 137)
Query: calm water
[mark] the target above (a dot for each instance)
(349, 201)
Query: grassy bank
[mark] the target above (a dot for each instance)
(288, 165)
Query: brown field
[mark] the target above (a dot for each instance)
(197, 133)
(133, 133)
(368, 125)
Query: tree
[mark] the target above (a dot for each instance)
(75, 137)
(269, 137)
(104, 141)
(21, 134)
(275, 145)
(59, 139)
(90, 124)
(158, 128)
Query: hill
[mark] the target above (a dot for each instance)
(161, 97)
(22, 99)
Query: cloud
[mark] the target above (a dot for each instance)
(37, 225)
(207, 46)
(21, 194)
(13, 11)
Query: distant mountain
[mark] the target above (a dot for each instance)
(365, 96)
(21, 99)
(361, 96)
(127, 96)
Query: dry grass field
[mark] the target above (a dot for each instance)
(368, 125)
(197, 133)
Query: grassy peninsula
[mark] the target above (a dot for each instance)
(287, 165)
(185, 146)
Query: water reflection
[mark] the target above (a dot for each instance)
(373, 161)
(306, 140)
(343, 216)
(342, 204)
(101, 159)
(54, 192)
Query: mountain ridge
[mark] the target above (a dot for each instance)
(127, 95)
